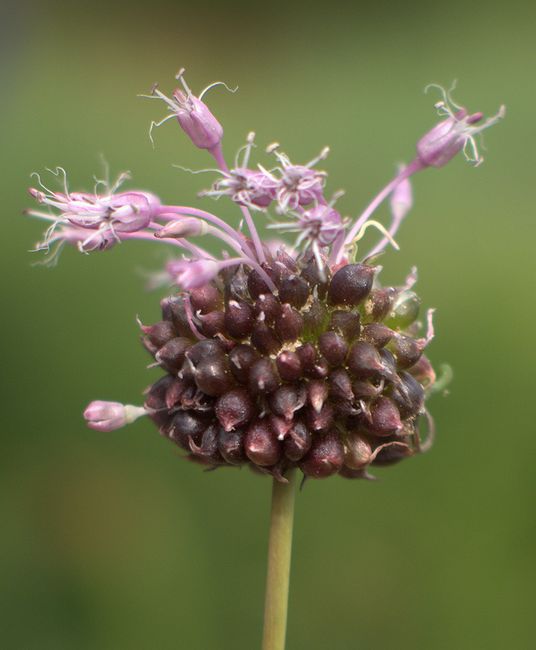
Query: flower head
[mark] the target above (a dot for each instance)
(275, 357)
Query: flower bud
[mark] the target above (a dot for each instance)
(185, 227)
(298, 442)
(256, 284)
(234, 409)
(452, 135)
(333, 347)
(242, 357)
(192, 274)
(109, 416)
(263, 377)
(351, 284)
(289, 365)
(325, 457)
(239, 319)
(261, 444)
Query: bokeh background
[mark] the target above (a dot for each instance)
(112, 541)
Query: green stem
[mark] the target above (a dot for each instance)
(279, 550)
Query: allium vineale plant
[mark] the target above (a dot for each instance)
(275, 355)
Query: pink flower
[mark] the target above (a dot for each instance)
(120, 212)
(193, 115)
(108, 416)
(455, 133)
(298, 185)
(192, 274)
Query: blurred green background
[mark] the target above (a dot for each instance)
(112, 541)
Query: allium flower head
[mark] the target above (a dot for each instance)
(275, 356)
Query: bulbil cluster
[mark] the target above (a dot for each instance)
(325, 373)
(275, 356)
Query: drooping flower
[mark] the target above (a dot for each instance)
(455, 133)
(193, 115)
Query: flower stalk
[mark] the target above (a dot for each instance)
(279, 556)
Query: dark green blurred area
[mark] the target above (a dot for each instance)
(112, 541)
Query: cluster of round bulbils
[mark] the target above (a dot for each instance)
(326, 373)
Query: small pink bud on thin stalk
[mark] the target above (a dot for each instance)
(186, 227)
(401, 203)
(109, 416)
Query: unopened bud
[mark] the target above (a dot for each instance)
(108, 416)
(185, 227)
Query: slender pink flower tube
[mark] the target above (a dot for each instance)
(109, 416)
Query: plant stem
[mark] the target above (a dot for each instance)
(279, 550)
